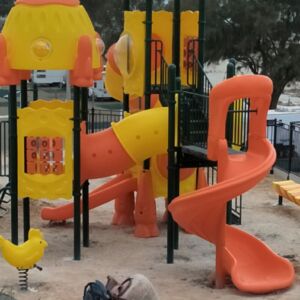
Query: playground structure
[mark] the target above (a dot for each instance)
(45, 155)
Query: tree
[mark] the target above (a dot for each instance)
(5, 7)
(262, 35)
(107, 16)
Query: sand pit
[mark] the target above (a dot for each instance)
(115, 251)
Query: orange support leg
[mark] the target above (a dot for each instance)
(124, 208)
(145, 208)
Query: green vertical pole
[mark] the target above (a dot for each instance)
(201, 32)
(176, 36)
(171, 160)
(201, 39)
(292, 128)
(176, 62)
(85, 186)
(13, 161)
(26, 201)
(76, 170)
(35, 92)
(148, 39)
(230, 72)
(126, 7)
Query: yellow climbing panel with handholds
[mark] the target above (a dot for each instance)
(45, 139)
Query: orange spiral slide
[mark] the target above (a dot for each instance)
(252, 265)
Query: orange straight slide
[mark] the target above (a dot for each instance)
(252, 265)
(102, 155)
(120, 185)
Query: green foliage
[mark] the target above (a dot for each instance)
(107, 16)
(263, 35)
(5, 7)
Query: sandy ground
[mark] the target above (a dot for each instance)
(115, 251)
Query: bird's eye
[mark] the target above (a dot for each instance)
(40, 242)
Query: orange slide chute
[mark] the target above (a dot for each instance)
(252, 266)
(120, 185)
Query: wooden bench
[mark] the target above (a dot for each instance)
(287, 189)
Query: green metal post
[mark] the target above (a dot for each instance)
(126, 7)
(292, 128)
(13, 161)
(177, 163)
(26, 201)
(176, 36)
(201, 33)
(85, 186)
(76, 167)
(201, 39)
(148, 26)
(35, 92)
(230, 72)
(171, 160)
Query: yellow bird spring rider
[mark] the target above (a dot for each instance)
(24, 256)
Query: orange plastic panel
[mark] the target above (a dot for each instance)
(58, 168)
(45, 2)
(57, 156)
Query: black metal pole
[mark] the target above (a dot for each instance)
(177, 163)
(148, 38)
(35, 92)
(176, 62)
(230, 72)
(85, 187)
(126, 7)
(274, 143)
(292, 127)
(171, 160)
(13, 161)
(76, 179)
(201, 32)
(201, 39)
(26, 201)
(176, 36)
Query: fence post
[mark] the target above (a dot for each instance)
(274, 141)
(290, 149)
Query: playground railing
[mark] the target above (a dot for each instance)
(100, 119)
(286, 141)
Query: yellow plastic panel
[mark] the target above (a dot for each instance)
(53, 104)
(188, 31)
(44, 37)
(160, 182)
(114, 83)
(144, 134)
(130, 53)
(45, 122)
(162, 29)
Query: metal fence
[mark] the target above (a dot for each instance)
(100, 119)
(286, 141)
